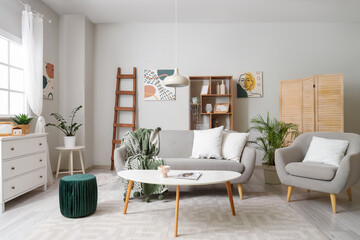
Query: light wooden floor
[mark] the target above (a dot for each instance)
(28, 211)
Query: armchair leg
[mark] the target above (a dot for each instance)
(349, 194)
(333, 201)
(240, 191)
(290, 188)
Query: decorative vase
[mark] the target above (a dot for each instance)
(25, 128)
(270, 175)
(222, 87)
(164, 169)
(69, 141)
(217, 88)
(208, 108)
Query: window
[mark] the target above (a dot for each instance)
(12, 97)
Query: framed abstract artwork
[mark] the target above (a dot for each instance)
(48, 81)
(154, 87)
(249, 84)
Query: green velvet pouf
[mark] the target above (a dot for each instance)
(78, 195)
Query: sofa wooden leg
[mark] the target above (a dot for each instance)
(240, 191)
(349, 194)
(290, 189)
(333, 201)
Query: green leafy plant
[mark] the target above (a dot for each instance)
(273, 135)
(67, 129)
(22, 119)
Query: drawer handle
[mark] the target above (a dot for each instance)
(12, 149)
(12, 168)
(40, 160)
(12, 187)
(40, 144)
(40, 176)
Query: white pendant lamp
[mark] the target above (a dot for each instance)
(176, 80)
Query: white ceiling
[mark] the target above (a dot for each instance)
(138, 11)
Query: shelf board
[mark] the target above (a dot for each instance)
(215, 95)
(228, 113)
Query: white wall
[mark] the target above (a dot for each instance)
(10, 21)
(280, 50)
(76, 75)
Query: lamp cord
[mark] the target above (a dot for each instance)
(176, 34)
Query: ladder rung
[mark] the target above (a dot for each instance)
(125, 92)
(125, 125)
(124, 109)
(116, 141)
(129, 76)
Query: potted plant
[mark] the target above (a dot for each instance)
(274, 134)
(23, 120)
(68, 129)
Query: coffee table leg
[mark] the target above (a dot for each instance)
(229, 191)
(177, 210)
(128, 195)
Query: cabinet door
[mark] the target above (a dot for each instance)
(308, 105)
(291, 96)
(329, 95)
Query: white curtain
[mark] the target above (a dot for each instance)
(32, 39)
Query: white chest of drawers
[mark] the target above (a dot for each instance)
(23, 165)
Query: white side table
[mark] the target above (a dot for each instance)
(70, 159)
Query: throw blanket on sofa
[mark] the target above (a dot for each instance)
(142, 147)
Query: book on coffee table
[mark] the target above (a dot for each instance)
(189, 175)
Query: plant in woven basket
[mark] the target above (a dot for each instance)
(69, 129)
(22, 119)
(273, 135)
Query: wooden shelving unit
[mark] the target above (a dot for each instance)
(202, 119)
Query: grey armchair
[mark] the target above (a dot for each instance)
(319, 177)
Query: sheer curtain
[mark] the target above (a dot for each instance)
(32, 39)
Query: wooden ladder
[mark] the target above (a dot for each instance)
(132, 109)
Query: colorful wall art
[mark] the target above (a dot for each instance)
(250, 84)
(154, 87)
(48, 81)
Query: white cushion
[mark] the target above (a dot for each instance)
(233, 145)
(326, 151)
(207, 143)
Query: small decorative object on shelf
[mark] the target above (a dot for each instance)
(205, 90)
(17, 131)
(217, 88)
(221, 108)
(23, 120)
(69, 129)
(208, 108)
(222, 88)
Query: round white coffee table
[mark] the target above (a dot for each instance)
(154, 177)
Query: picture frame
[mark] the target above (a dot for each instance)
(204, 90)
(221, 107)
(6, 128)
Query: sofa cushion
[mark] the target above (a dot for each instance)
(311, 170)
(204, 164)
(233, 144)
(327, 151)
(207, 143)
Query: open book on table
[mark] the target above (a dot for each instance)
(189, 175)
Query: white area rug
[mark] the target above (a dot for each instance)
(203, 215)
(106, 178)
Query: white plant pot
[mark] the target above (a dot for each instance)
(69, 141)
